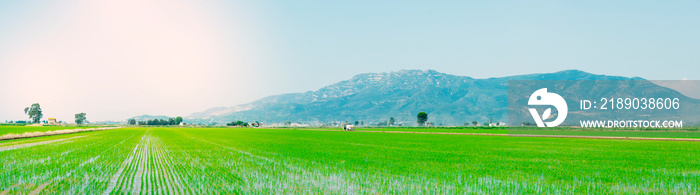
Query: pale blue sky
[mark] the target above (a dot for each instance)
(96, 57)
(651, 39)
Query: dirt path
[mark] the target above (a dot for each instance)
(48, 133)
(527, 135)
(12, 147)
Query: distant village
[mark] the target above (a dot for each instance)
(35, 114)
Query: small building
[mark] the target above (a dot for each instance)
(348, 127)
(52, 121)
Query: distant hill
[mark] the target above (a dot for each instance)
(375, 97)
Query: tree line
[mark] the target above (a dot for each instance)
(170, 121)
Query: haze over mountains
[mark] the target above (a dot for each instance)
(375, 97)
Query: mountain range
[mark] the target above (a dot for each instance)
(375, 97)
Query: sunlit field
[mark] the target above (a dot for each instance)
(248, 160)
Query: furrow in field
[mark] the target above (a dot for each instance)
(136, 185)
(128, 177)
(158, 170)
(157, 175)
(113, 182)
(126, 180)
(168, 178)
(13, 147)
(148, 170)
(142, 158)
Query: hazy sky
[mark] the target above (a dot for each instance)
(122, 58)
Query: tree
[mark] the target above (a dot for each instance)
(132, 121)
(34, 112)
(422, 118)
(240, 123)
(287, 123)
(357, 123)
(392, 121)
(475, 123)
(80, 118)
(178, 120)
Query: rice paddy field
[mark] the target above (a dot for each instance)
(144, 160)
